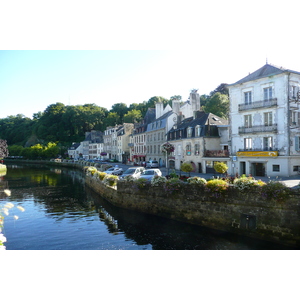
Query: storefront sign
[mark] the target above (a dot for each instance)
(257, 153)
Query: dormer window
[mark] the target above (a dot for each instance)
(198, 130)
(189, 132)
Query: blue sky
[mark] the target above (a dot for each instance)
(158, 50)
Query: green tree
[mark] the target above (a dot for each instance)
(220, 167)
(186, 167)
(218, 105)
(133, 116)
(120, 109)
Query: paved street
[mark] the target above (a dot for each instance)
(289, 181)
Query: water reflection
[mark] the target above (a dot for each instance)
(59, 209)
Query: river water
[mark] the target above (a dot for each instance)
(61, 213)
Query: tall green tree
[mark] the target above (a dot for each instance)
(133, 116)
(218, 105)
(120, 109)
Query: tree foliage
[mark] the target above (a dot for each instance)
(64, 124)
(218, 104)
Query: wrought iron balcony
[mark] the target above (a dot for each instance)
(258, 129)
(258, 104)
(216, 153)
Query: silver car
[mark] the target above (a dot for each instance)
(135, 172)
(149, 174)
(152, 164)
(114, 171)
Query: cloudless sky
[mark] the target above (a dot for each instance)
(203, 45)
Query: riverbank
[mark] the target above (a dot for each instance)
(246, 214)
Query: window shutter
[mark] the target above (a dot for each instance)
(297, 143)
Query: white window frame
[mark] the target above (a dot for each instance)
(268, 143)
(248, 121)
(248, 97)
(248, 143)
(268, 118)
(268, 93)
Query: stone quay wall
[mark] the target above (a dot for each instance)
(241, 213)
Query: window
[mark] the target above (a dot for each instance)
(294, 118)
(268, 93)
(248, 98)
(197, 149)
(248, 121)
(179, 150)
(294, 91)
(276, 168)
(188, 149)
(198, 130)
(268, 143)
(189, 132)
(268, 119)
(248, 143)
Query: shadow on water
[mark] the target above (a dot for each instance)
(166, 234)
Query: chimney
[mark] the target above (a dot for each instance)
(176, 106)
(195, 99)
(159, 108)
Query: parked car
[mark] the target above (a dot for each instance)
(152, 164)
(149, 174)
(114, 171)
(134, 172)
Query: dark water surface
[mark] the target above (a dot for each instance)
(62, 214)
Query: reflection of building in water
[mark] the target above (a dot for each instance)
(109, 220)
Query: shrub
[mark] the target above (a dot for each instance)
(220, 167)
(158, 180)
(246, 183)
(128, 178)
(100, 175)
(173, 174)
(186, 167)
(110, 180)
(141, 183)
(173, 186)
(197, 181)
(216, 187)
(275, 190)
(89, 170)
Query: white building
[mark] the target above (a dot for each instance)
(264, 123)
(165, 119)
(201, 140)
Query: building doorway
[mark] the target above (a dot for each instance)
(258, 169)
(242, 168)
(199, 168)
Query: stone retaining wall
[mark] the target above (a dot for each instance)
(245, 214)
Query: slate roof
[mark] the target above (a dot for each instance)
(207, 121)
(265, 71)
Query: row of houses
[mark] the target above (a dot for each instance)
(261, 136)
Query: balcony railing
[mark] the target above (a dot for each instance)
(258, 104)
(216, 153)
(258, 129)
